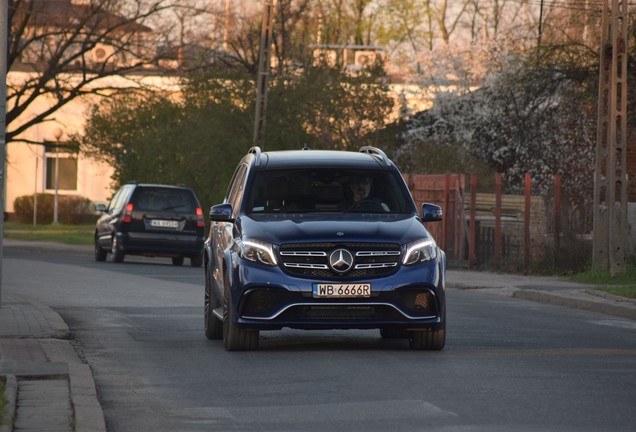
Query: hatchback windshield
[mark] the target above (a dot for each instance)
(327, 190)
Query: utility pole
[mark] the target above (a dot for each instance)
(540, 24)
(610, 176)
(226, 21)
(57, 133)
(263, 73)
(4, 25)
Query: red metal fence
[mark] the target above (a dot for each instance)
(497, 230)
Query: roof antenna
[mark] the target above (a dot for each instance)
(305, 147)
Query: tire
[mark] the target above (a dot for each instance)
(392, 333)
(118, 254)
(213, 326)
(178, 260)
(100, 254)
(196, 260)
(430, 339)
(236, 338)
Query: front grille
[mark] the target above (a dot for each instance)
(312, 259)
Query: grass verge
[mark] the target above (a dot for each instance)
(623, 285)
(69, 234)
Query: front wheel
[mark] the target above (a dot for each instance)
(392, 333)
(213, 325)
(178, 260)
(236, 338)
(196, 260)
(432, 339)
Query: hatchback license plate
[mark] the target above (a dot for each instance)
(341, 290)
(161, 223)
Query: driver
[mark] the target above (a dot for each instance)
(359, 188)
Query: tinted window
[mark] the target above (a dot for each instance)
(120, 198)
(160, 199)
(326, 190)
(236, 187)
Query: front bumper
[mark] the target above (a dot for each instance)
(267, 298)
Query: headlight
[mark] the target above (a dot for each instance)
(258, 252)
(420, 251)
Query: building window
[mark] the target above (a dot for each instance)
(68, 172)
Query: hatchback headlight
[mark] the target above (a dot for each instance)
(420, 251)
(258, 252)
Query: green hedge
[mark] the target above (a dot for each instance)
(71, 209)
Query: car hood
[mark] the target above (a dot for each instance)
(277, 229)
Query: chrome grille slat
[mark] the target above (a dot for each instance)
(307, 266)
(377, 253)
(304, 253)
(374, 265)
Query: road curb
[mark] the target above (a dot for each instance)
(59, 328)
(89, 416)
(577, 299)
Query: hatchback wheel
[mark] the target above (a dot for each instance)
(178, 260)
(118, 254)
(100, 254)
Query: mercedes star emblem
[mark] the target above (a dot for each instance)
(341, 260)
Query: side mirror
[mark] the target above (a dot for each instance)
(100, 208)
(221, 213)
(431, 212)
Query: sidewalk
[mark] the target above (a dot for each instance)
(48, 388)
(544, 289)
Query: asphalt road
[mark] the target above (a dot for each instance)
(509, 364)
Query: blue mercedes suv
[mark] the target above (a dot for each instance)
(316, 239)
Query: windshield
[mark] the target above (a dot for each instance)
(327, 190)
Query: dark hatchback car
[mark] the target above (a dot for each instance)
(322, 240)
(151, 220)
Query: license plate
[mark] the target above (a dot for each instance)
(341, 290)
(161, 223)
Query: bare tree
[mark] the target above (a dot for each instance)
(59, 50)
(188, 34)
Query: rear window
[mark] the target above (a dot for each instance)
(164, 199)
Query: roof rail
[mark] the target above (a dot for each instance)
(256, 150)
(374, 151)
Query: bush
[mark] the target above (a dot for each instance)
(72, 209)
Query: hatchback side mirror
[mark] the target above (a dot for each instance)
(221, 213)
(431, 212)
(100, 208)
